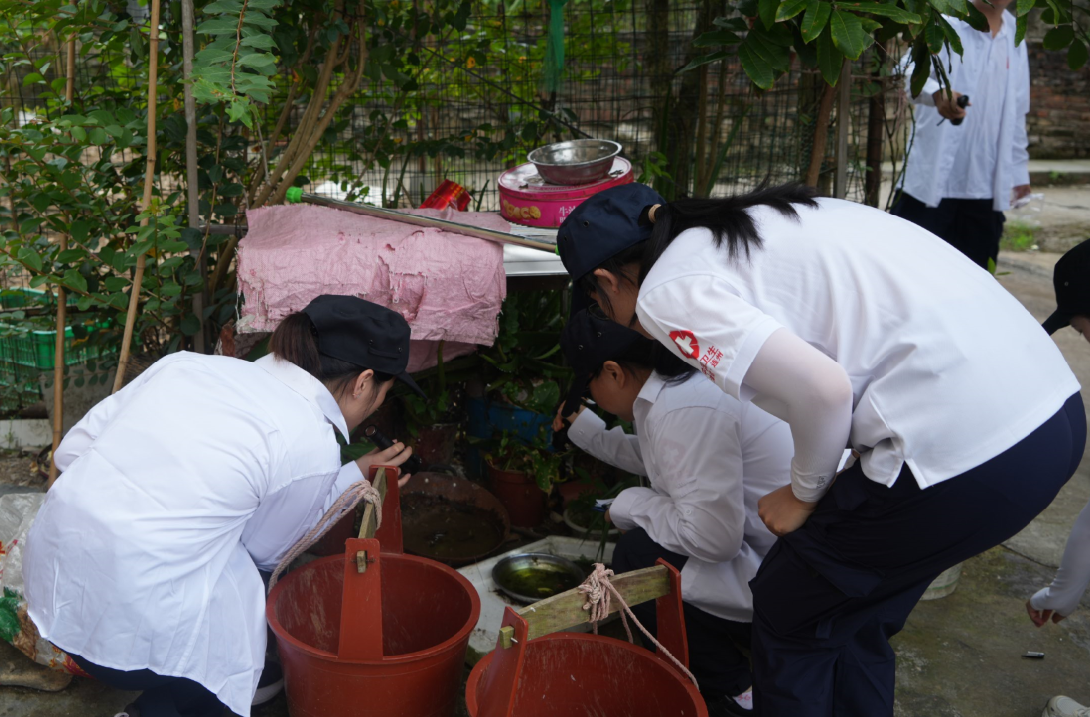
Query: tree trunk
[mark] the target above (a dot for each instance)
(876, 129)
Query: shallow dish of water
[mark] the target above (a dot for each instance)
(529, 577)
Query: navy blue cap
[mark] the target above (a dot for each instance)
(1071, 280)
(362, 333)
(588, 341)
(601, 227)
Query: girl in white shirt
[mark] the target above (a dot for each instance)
(143, 561)
(708, 458)
(859, 329)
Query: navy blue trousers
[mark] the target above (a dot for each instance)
(161, 696)
(717, 647)
(830, 595)
(972, 226)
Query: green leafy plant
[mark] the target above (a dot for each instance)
(507, 451)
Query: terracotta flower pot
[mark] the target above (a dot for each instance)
(519, 494)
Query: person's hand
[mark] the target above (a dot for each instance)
(1020, 192)
(395, 455)
(558, 421)
(782, 512)
(1040, 617)
(946, 102)
(608, 521)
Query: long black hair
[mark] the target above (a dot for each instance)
(728, 220)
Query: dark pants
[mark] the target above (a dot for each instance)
(717, 647)
(162, 696)
(971, 226)
(830, 595)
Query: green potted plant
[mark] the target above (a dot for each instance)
(521, 474)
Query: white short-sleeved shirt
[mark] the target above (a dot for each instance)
(709, 459)
(174, 492)
(947, 368)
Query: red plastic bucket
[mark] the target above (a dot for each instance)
(571, 675)
(428, 612)
(397, 652)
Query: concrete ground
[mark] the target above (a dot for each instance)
(960, 656)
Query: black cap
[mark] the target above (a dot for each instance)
(588, 342)
(1071, 279)
(362, 333)
(601, 227)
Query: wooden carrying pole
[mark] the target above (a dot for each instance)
(149, 182)
(62, 303)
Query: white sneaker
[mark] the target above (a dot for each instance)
(1061, 706)
(745, 700)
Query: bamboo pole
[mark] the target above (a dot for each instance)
(149, 182)
(192, 190)
(62, 302)
(843, 109)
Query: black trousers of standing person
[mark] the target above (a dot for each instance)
(971, 226)
(162, 696)
(717, 647)
(829, 596)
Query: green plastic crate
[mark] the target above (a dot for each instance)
(20, 298)
(36, 349)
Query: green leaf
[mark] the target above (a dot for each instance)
(941, 5)
(218, 26)
(257, 60)
(1021, 25)
(848, 34)
(190, 325)
(31, 258)
(830, 59)
(223, 7)
(115, 283)
(75, 280)
(1059, 37)
(976, 19)
(713, 39)
(951, 35)
(259, 20)
(766, 10)
(933, 36)
(69, 255)
(705, 60)
(1022, 7)
(893, 12)
(98, 136)
(32, 78)
(814, 20)
(79, 230)
(1076, 55)
(265, 42)
(79, 134)
(759, 71)
(921, 69)
(789, 9)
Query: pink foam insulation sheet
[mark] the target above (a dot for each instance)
(448, 287)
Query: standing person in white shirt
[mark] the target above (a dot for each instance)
(1071, 280)
(143, 561)
(960, 178)
(858, 329)
(708, 458)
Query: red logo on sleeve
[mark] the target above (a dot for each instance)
(686, 343)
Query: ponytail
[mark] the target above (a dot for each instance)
(728, 220)
(296, 340)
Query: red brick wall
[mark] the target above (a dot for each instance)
(1059, 116)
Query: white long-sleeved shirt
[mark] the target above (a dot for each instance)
(986, 156)
(709, 459)
(1073, 577)
(174, 492)
(944, 368)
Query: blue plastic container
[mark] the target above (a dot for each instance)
(486, 417)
